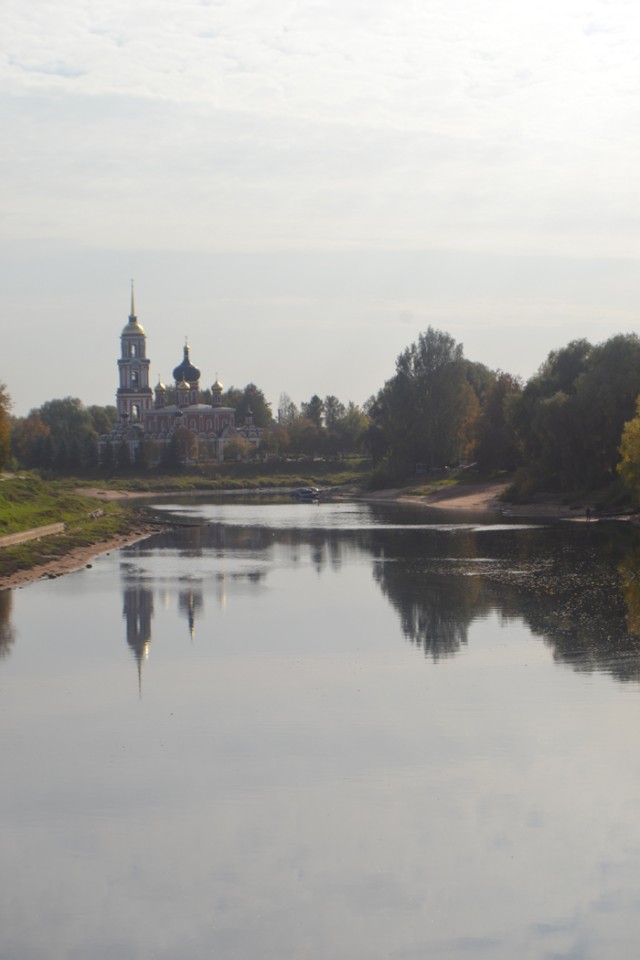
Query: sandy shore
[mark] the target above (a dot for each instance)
(479, 497)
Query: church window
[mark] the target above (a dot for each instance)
(135, 379)
(135, 411)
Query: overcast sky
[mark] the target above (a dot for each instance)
(302, 187)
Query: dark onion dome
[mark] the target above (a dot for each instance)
(186, 370)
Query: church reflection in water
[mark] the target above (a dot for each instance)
(137, 610)
(142, 581)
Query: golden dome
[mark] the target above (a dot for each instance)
(183, 385)
(133, 327)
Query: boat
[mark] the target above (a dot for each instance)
(306, 494)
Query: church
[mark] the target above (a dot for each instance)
(145, 417)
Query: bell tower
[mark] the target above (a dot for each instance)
(134, 395)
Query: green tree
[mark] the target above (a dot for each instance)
(569, 418)
(67, 419)
(28, 441)
(89, 454)
(313, 410)
(423, 411)
(334, 411)
(348, 428)
(305, 437)
(251, 398)
(107, 457)
(123, 456)
(102, 418)
(496, 447)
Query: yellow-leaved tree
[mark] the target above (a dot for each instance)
(629, 465)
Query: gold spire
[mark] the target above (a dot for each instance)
(132, 315)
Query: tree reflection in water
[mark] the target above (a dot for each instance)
(577, 589)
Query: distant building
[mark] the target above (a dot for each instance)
(200, 430)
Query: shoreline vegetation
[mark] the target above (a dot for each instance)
(101, 519)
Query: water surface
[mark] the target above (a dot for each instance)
(329, 731)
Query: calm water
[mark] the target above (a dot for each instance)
(326, 732)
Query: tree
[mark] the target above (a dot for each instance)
(123, 456)
(424, 409)
(287, 410)
(629, 466)
(333, 411)
(251, 398)
(67, 419)
(31, 441)
(275, 440)
(102, 418)
(89, 455)
(5, 426)
(305, 436)
(495, 446)
(107, 457)
(237, 448)
(313, 410)
(348, 428)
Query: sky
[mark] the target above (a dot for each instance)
(301, 188)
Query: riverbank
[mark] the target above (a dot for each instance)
(483, 498)
(77, 558)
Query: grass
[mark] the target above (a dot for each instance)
(243, 476)
(27, 501)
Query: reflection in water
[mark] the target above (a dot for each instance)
(137, 609)
(189, 601)
(575, 586)
(142, 565)
(299, 760)
(577, 589)
(7, 633)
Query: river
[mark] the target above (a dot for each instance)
(326, 732)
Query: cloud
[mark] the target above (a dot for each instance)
(469, 129)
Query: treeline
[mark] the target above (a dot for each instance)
(61, 436)
(564, 430)
(574, 426)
